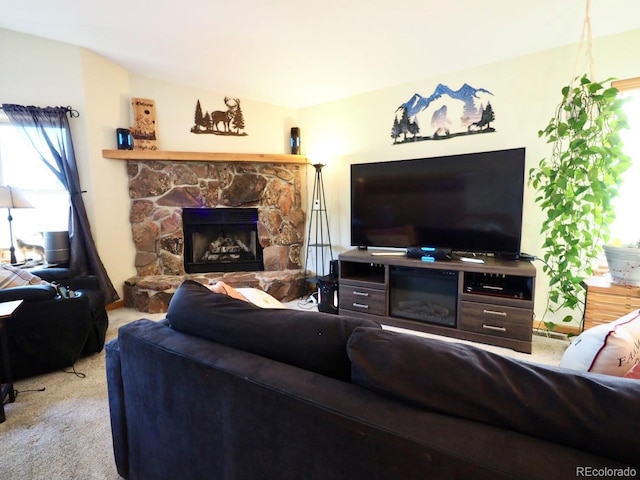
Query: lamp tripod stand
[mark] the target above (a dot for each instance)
(319, 226)
(12, 249)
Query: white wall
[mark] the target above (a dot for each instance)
(352, 130)
(267, 126)
(106, 182)
(36, 71)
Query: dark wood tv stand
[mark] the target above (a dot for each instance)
(494, 300)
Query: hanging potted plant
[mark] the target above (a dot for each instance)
(575, 186)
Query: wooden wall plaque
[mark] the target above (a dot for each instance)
(143, 131)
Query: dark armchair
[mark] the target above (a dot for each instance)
(49, 332)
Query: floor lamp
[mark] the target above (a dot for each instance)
(318, 238)
(318, 241)
(12, 198)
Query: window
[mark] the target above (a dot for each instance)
(21, 167)
(626, 228)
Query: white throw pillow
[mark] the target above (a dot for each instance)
(611, 349)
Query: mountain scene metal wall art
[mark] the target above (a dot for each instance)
(220, 122)
(444, 114)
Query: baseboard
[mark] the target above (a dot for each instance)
(115, 305)
(566, 329)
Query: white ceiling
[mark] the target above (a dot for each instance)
(305, 52)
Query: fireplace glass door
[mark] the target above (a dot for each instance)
(429, 296)
(221, 240)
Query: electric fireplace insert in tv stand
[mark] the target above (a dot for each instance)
(490, 302)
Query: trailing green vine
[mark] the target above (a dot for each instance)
(575, 186)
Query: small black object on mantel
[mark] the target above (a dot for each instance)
(295, 141)
(124, 139)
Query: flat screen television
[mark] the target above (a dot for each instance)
(467, 203)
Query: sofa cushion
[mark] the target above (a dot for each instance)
(11, 276)
(310, 340)
(611, 348)
(590, 412)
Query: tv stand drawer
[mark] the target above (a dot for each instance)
(496, 320)
(362, 299)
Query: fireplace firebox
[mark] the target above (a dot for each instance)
(221, 240)
(429, 296)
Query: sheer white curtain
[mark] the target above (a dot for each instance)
(626, 228)
(20, 167)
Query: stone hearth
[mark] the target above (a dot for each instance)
(160, 189)
(152, 293)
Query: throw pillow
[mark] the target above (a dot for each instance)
(11, 276)
(611, 349)
(311, 340)
(589, 412)
(633, 372)
(260, 298)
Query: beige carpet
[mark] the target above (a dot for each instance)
(63, 432)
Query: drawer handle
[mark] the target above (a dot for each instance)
(362, 294)
(360, 305)
(497, 329)
(493, 312)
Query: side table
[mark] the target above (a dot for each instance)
(6, 389)
(607, 301)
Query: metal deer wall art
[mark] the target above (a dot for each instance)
(220, 122)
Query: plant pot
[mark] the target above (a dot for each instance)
(624, 264)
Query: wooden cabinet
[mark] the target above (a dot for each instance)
(607, 302)
(492, 302)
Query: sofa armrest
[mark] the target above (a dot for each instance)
(67, 278)
(115, 391)
(60, 275)
(30, 293)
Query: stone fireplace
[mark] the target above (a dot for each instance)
(162, 192)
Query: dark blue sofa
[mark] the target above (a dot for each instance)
(223, 390)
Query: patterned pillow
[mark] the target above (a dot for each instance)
(11, 276)
(612, 348)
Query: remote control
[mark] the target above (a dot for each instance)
(471, 260)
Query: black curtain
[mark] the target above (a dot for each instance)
(48, 131)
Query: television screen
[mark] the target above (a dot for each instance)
(468, 203)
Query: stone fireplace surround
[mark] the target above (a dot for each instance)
(160, 189)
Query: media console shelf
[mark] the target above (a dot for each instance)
(490, 302)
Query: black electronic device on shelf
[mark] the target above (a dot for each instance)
(507, 286)
(429, 254)
(328, 289)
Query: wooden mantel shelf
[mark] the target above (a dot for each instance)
(160, 155)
